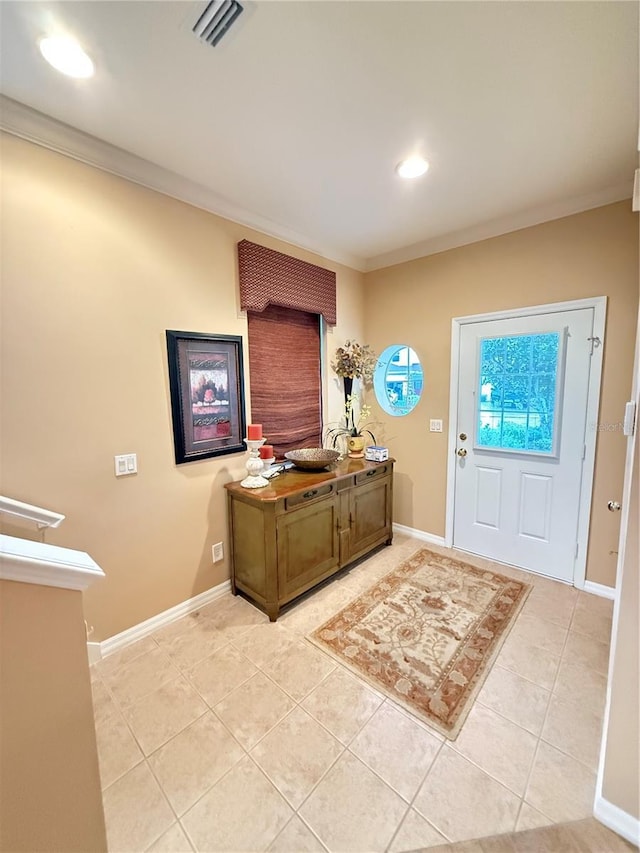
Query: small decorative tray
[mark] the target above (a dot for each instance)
(312, 458)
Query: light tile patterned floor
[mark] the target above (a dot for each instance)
(222, 732)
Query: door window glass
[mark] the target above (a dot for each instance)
(398, 379)
(518, 386)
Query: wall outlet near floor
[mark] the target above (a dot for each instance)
(217, 551)
(435, 425)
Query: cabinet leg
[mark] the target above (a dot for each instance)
(272, 612)
(234, 590)
(389, 541)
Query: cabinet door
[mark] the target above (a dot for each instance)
(308, 548)
(369, 516)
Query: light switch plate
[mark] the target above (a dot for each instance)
(435, 425)
(217, 552)
(629, 422)
(127, 463)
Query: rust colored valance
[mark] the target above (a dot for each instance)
(268, 277)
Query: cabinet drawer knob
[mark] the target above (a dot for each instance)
(372, 473)
(310, 494)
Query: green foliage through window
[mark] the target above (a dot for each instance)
(517, 392)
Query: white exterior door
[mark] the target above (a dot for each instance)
(523, 388)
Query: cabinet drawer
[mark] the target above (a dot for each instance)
(311, 494)
(372, 474)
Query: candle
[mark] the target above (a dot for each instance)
(254, 432)
(266, 451)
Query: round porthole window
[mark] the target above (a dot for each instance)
(398, 380)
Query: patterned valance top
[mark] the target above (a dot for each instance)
(268, 277)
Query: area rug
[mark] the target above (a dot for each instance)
(427, 634)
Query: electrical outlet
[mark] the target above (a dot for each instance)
(435, 425)
(217, 552)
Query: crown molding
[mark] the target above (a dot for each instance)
(504, 225)
(20, 120)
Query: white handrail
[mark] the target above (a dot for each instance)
(42, 517)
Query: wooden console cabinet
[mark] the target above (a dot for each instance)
(305, 526)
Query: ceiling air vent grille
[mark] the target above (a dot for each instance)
(216, 19)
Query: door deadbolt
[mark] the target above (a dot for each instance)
(614, 506)
(463, 436)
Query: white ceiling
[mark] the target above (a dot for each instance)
(295, 121)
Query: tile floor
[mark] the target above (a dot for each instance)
(222, 732)
(580, 836)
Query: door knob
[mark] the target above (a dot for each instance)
(463, 452)
(614, 506)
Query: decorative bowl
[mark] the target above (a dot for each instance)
(312, 458)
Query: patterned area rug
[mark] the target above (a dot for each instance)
(427, 634)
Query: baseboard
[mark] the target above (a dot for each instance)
(600, 589)
(589, 586)
(618, 820)
(143, 629)
(94, 652)
(419, 534)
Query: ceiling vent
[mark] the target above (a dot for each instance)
(216, 19)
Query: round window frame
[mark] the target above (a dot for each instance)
(380, 381)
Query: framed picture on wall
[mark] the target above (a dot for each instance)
(207, 395)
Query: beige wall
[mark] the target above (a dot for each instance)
(621, 777)
(50, 797)
(590, 254)
(95, 269)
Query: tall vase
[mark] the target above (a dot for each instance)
(348, 388)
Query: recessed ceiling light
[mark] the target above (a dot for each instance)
(66, 55)
(412, 167)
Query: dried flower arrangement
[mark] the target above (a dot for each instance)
(354, 361)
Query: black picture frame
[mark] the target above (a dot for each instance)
(206, 384)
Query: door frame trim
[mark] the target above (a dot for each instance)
(599, 305)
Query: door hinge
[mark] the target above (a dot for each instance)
(584, 451)
(577, 549)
